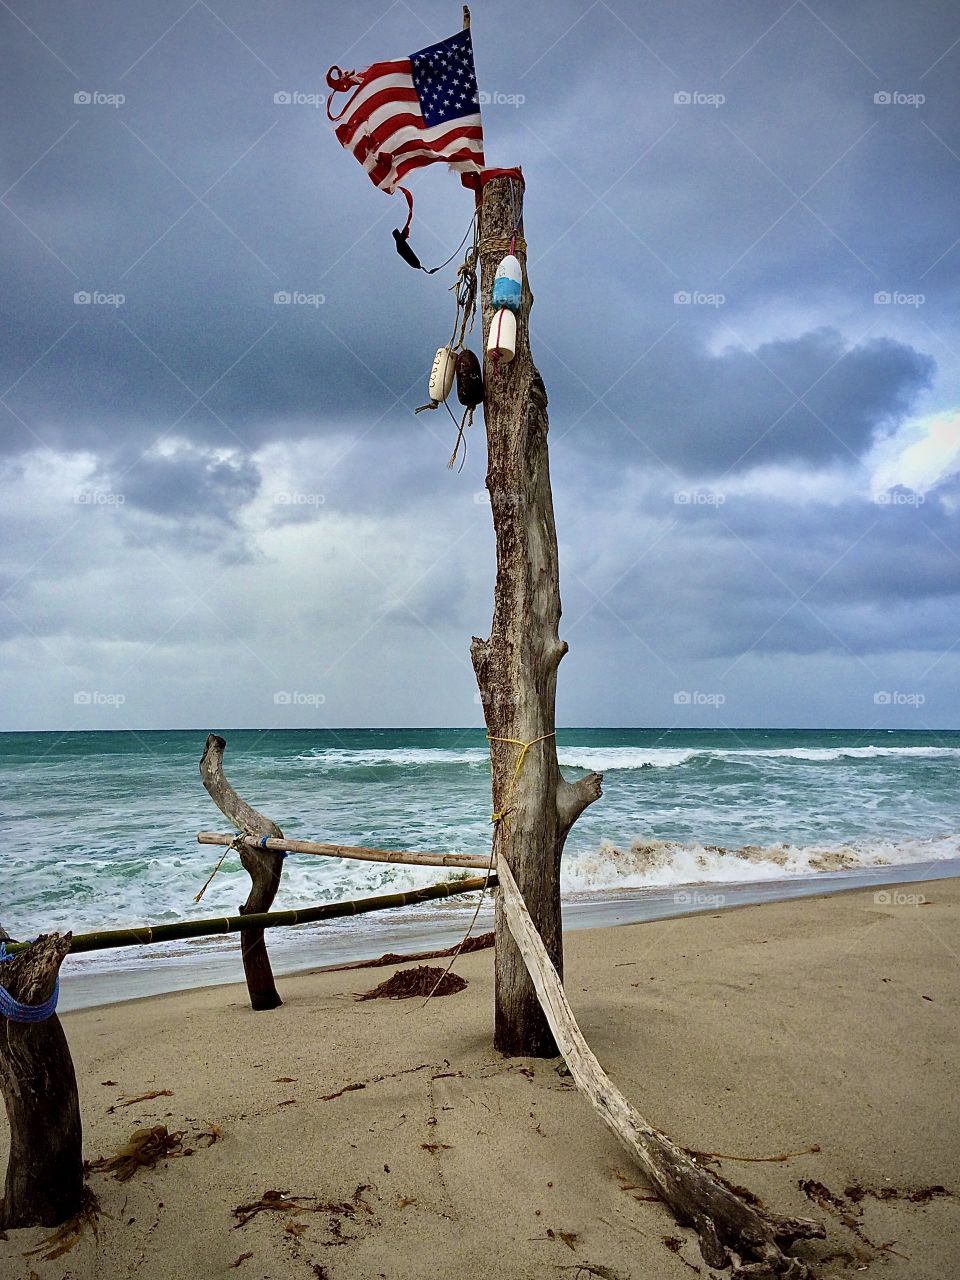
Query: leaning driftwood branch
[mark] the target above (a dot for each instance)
(44, 1183)
(418, 859)
(264, 866)
(729, 1228)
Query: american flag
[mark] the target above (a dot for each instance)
(412, 112)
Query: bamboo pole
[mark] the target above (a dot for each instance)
(146, 935)
(418, 859)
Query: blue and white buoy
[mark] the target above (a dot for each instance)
(508, 283)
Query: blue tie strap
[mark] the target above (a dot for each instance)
(263, 844)
(14, 1011)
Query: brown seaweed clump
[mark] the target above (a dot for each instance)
(421, 981)
(143, 1150)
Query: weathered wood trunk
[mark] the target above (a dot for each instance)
(516, 667)
(44, 1183)
(265, 868)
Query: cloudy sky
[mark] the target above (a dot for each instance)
(744, 245)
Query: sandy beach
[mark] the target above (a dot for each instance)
(826, 1027)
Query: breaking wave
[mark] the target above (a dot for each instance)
(652, 863)
(611, 759)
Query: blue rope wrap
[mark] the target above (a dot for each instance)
(263, 844)
(14, 1011)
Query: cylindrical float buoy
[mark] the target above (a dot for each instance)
(441, 375)
(508, 283)
(469, 380)
(502, 339)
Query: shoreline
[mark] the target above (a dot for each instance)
(813, 1043)
(426, 927)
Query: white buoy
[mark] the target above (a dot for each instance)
(508, 283)
(502, 339)
(442, 374)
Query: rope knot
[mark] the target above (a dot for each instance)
(500, 814)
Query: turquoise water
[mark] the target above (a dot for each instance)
(100, 828)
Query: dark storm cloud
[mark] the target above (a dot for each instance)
(717, 578)
(199, 199)
(807, 399)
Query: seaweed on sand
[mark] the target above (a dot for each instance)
(424, 980)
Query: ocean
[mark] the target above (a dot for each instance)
(100, 829)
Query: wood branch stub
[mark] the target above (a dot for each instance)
(725, 1222)
(264, 867)
(44, 1182)
(516, 668)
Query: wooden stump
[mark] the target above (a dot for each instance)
(264, 866)
(516, 668)
(44, 1183)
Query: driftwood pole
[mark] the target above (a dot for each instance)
(264, 866)
(44, 1183)
(516, 668)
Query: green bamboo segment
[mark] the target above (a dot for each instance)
(106, 939)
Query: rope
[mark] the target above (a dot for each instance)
(465, 421)
(463, 940)
(471, 227)
(14, 1011)
(503, 244)
(231, 848)
(524, 748)
(496, 818)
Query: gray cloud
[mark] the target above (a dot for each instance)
(202, 401)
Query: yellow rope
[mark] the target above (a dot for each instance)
(524, 748)
(497, 817)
